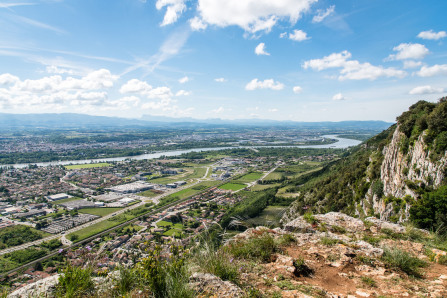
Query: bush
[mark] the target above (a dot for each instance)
(259, 248)
(165, 276)
(404, 261)
(218, 263)
(75, 282)
(310, 218)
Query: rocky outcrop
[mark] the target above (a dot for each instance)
(206, 285)
(400, 173)
(42, 288)
(415, 166)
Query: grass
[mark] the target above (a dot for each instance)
(99, 211)
(232, 186)
(66, 200)
(369, 281)
(275, 176)
(259, 248)
(88, 165)
(101, 226)
(269, 217)
(261, 187)
(250, 177)
(217, 263)
(183, 194)
(164, 224)
(404, 261)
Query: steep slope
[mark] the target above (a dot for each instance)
(385, 175)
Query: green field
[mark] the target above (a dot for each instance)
(250, 177)
(100, 226)
(232, 186)
(275, 176)
(269, 217)
(65, 200)
(164, 224)
(261, 187)
(99, 211)
(109, 223)
(88, 165)
(183, 194)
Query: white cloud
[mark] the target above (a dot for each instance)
(352, 69)
(143, 88)
(260, 49)
(219, 110)
(430, 71)
(174, 8)
(414, 51)
(197, 24)
(425, 90)
(298, 35)
(283, 35)
(273, 110)
(338, 96)
(56, 92)
(251, 15)
(183, 93)
(8, 5)
(411, 64)
(7, 79)
(183, 80)
(266, 84)
(297, 89)
(220, 80)
(322, 14)
(432, 35)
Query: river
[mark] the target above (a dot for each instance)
(340, 144)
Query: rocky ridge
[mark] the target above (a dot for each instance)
(325, 255)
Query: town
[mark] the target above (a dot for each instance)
(121, 207)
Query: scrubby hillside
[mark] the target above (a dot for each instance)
(325, 255)
(403, 166)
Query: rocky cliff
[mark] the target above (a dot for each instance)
(385, 175)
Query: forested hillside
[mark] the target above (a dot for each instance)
(403, 166)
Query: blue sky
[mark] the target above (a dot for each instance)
(302, 60)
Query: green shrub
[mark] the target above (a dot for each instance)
(328, 241)
(369, 281)
(442, 260)
(75, 282)
(259, 248)
(310, 218)
(371, 240)
(404, 261)
(165, 276)
(218, 263)
(338, 229)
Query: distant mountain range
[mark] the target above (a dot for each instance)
(71, 120)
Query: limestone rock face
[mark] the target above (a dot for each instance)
(414, 166)
(205, 283)
(42, 288)
(399, 169)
